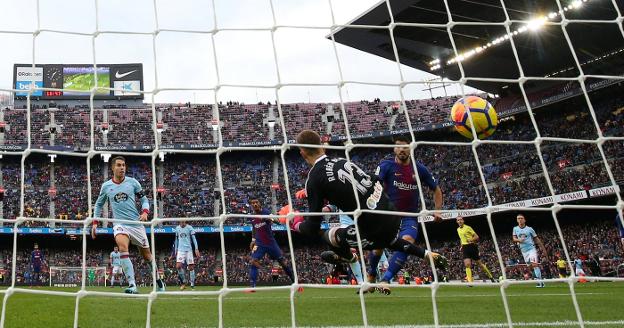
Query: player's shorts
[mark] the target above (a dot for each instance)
(470, 251)
(37, 268)
(409, 227)
(275, 253)
(377, 231)
(185, 256)
(530, 256)
(579, 272)
(563, 271)
(345, 220)
(117, 269)
(136, 234)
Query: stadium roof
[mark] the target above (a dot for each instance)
(542, 47)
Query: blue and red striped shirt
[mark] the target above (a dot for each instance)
(36, 257)
(261, 230)
(400, 183)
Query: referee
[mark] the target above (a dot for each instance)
(470, 250)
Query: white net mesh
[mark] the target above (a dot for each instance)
(342, 85)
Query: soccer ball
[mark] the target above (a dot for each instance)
(483, 115)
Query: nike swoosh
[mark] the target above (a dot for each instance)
(119, 76)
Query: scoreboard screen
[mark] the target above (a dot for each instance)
(77, 80)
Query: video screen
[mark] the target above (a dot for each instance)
(81, 79)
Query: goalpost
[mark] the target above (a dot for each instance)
(72, 276)
(78, 275)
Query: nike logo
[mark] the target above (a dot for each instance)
(119, 76)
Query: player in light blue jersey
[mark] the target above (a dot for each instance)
(115, 263)
(121, 193)
(578, 267)
(184, 242)
(526, 238)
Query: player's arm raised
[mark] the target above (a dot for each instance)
(99, 204)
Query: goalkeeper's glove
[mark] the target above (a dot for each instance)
(301, 194)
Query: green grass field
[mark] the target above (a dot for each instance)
(601, 305)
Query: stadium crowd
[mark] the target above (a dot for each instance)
(189, 185)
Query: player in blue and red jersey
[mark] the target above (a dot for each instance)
(263, 242)
(36, 260)
(397, 174)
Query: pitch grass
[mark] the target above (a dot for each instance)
(599, 302)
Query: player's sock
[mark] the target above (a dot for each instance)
(127, 267)
(159, 281)
(289, 272)
(405, 246)
(487, 272)
(469, 274)
(356, 269)
(394, 265)
(181, 276)
(537, 272)
(253, 275)
(113, 280)
(373, 262)
(192, 277)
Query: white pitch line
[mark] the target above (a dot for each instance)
(566, 323)
(355, 296)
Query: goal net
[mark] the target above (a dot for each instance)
(228, 88)
(72, 276)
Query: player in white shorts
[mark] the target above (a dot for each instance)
(115, 262)
(526, 238)
(121, 193)
(184, 253)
